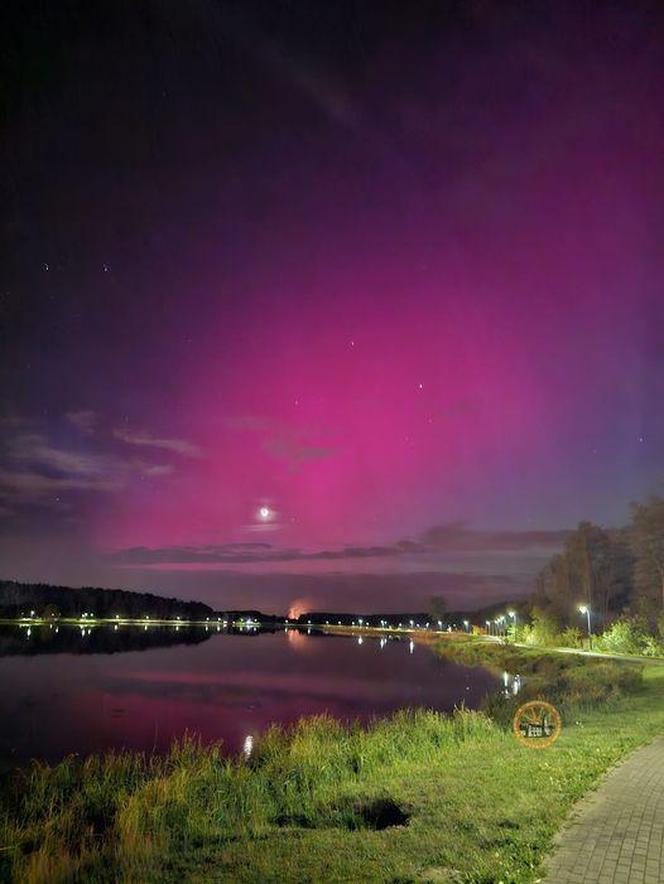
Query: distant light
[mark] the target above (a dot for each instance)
(264, 513)
(583, 609)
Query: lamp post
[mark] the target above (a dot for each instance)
(585, 609)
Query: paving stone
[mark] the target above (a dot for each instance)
(616, 834)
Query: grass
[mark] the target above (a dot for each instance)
(317, 802)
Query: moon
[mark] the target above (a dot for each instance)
(264, 513)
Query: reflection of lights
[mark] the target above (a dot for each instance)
(383, 642)
(115, 628)
(248, 746)
(411, 646)
(360, 640)
(28, 632)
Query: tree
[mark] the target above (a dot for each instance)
(437, 607)
(594, 567)
(50, 611)
(648, 546)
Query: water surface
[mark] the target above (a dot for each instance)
(67, 692)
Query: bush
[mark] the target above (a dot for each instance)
(571, 638)
(629, 637)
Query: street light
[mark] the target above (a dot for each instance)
(488, 626)
(585, 609)
(466, 624)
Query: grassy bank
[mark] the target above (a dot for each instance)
(419, 796)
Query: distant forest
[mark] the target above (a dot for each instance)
(615, 571)
(17, 599)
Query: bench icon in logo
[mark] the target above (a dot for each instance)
(537, 724)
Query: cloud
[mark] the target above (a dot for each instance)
(34, 448)
(246, 553)
(34, 470)
(85, 421)
(296, 452)
(158, 470)
(449, 539)
(458, 537)
(178, 446)
(30, 485)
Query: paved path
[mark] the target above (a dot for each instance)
(616, 834)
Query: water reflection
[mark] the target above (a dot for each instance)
(511, 684)
(98, 639)
(75, 693)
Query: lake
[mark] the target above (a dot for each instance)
(69, 690)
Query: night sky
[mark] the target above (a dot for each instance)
(326, 304)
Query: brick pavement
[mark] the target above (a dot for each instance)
(616, 834)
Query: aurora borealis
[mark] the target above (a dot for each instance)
(348, 302)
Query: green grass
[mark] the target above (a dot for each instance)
(481, 807)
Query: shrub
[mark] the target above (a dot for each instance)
(571, 638)
(629, 637)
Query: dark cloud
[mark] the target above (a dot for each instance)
(247, 553)
(454, 537)
(36, 471)
(458, 537)
(178, 446)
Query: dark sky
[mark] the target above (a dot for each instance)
(343, 303)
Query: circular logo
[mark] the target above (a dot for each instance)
(537, 724)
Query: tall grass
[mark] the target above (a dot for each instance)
(573, 683)
(128, 816)
(111, 815)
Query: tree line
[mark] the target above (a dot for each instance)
(614, 571)
(18, 599)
